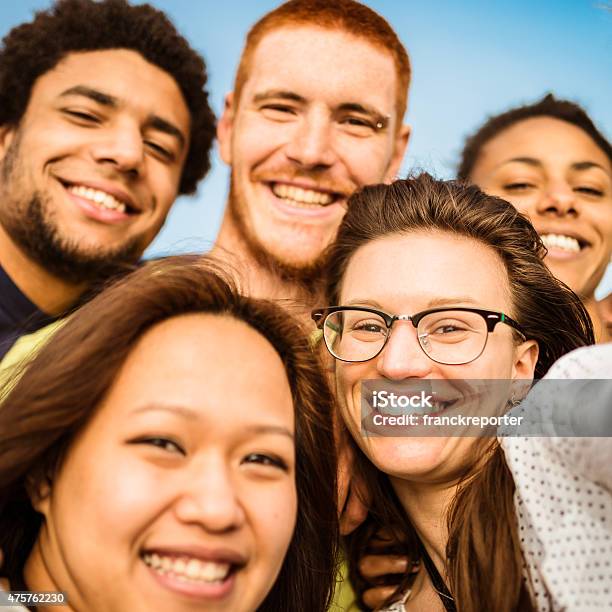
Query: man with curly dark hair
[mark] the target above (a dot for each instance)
(104, 120)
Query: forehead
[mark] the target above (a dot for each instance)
(545, 139)
(322, 63)
(121, 73)
(200, 351)
(408, 271)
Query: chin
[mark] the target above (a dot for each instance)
(405, 457)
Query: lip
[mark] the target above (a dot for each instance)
(97, 213)
(203, 553)
(117, 192)
(195, 590)
(312, 186)
(316, 213)
(584, 242)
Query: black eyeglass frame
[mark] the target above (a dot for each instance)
(491, 318)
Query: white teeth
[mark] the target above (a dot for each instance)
(308, 198)
(559, 241)
(101, 198)
(188, 569)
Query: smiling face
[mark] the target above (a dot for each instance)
(553, 172)
(180, 492)
(306, 134)
(405, 274)
(90, 172)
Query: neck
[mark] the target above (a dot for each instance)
(257, 280)
(426, 505)
(600, 327)
(37, 576)
(50, 293)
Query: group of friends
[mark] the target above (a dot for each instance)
(187, 433)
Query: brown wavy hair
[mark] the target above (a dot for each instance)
(60, 389)
(483, 555)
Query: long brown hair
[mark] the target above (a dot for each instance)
(60, 389)
(483, 557)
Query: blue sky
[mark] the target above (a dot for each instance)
(470, 58)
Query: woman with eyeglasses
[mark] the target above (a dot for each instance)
(436, 280)
(170, 448)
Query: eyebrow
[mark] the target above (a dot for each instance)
(154, 121)
(434, 303)
(183, 411)
(532, 161)
(194, 415)
(278, 93)
(365, 109)
(269, 429)
(93, 94)
(381, 120)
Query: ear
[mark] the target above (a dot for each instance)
(399, 149)
(225, 128)
(525, 359)
(39, 494)
(7, 134)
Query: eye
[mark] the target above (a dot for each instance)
(587, 190)
(373, 327)
(278, 112)
(265, 460)
(357, 125)
(519, 186)
(447, 329)
(81, 115)
(160, 150)
(165, 444)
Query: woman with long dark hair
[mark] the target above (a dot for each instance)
(552, 162)
(434, 280)
(171, 448)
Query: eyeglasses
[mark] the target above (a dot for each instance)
(451, 336)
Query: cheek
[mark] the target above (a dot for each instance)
(495, 362)
(348, 390)
(273, 512)
(255, 140)
(366, 162)
(117, 497)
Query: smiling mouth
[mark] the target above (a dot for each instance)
(189, 569)
(304, 198)
(100, 199)
(562, 242)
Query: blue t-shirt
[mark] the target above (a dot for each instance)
(18, 315)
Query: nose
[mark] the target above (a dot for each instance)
(311, 144)
(122, 148)
(209, 498)
(402, 356)
(559, 199)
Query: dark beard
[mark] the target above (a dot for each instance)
(38, 237)
(40, 241)
(307, 278)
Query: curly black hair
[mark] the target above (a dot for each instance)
(32, 49)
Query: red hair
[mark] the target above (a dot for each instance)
(345, 15)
